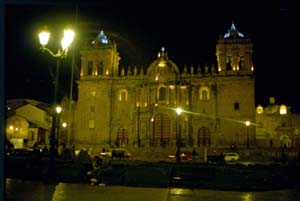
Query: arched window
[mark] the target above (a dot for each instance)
(228, 64)
(161, 130)
(122, 138)
(282, 110)
(99, 68)
(90, 68)
(204, 93)
(162, 94)
(122, 96)
(236, 106)
(241, 63)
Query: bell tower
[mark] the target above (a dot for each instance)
(100, 58)
(234, 53)
(93, 112)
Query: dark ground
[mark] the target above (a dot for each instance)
(18, 190)
(161, 174)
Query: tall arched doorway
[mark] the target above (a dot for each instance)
(161, 130)
(122, 137)
(203, 136)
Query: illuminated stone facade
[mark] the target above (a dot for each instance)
(136, 107)
(276, 126)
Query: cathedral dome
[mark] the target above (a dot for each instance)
(163, 69)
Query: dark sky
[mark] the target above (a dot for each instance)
(188, 29)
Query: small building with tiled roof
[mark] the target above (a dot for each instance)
(27, 122)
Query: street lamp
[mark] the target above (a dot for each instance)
(247, 123)
(61, 54)
(178, 143)
(64, 124)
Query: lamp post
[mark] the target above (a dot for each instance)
(58, 110)
(138, 126)
(178, 129)
(247, 123)
(61, 54)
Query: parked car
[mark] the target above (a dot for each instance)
(231, 156)
(120, 153)
(184, 155)
(106, 154)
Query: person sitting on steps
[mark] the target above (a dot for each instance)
(98, 170)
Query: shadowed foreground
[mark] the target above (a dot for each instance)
(17, 190)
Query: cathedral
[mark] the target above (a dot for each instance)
(133, 107)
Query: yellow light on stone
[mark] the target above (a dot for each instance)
(282, 110)
(162, 64)
(259, 109)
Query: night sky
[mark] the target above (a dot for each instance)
(188, 30)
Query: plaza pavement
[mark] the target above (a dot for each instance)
(22, 190)
(80, 192)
